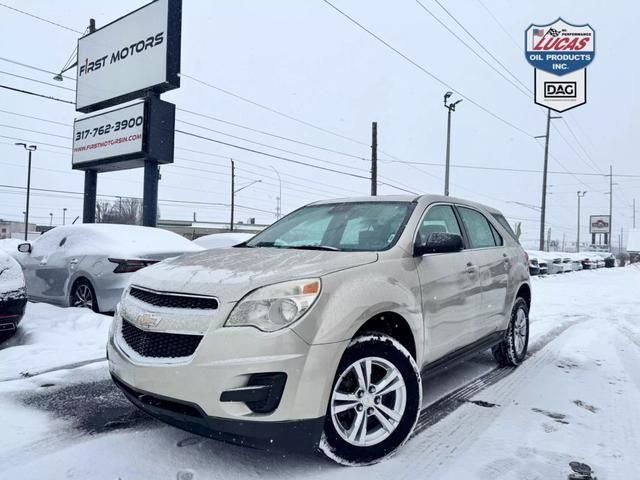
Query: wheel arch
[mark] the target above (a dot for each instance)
(394, 325)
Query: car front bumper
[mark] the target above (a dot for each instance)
(209, 385)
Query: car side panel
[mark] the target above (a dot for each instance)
(351, 297)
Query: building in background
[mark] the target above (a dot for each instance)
(193, 230)
(12, 229)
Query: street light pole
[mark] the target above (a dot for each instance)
(29, 148)
(451, 107)
(580, 195)
(64, 216)
(233, 192)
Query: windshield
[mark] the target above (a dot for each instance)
(353, 226)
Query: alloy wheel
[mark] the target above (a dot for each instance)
(83, 297)
(520, 331)
(368, 401)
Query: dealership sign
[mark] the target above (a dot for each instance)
(599, 224)
(135, 54)
(560, 53)
(560, 93)
(125, 137)
(560, 47)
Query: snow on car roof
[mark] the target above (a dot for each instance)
(11, 277)
(121, 239)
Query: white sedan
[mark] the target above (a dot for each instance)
(89, 265)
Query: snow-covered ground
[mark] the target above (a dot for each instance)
(575, 399)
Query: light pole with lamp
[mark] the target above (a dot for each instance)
(29, 148)
(451, 107)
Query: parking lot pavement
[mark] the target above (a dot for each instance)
(573, 400)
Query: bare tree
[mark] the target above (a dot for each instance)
(125, 210)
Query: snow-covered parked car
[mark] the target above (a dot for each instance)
(13, 298)
(222, 240)
(90, 265)
(314, 333)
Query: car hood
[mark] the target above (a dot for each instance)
(229, 274)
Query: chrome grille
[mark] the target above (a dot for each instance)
(159, 344)
(174, 300)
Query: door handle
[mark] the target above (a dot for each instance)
(73, 261)
(506, 258)
(471, 268)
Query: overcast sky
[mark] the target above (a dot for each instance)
(304, 59)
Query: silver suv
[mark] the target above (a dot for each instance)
(316, 332)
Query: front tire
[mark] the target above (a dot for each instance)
(512, 350)
(83, 295)
(375, 401)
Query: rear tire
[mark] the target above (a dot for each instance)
(83, 295)
(374, 404)
(513, 349)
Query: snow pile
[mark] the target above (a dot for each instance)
(51, 337)
(11, 278)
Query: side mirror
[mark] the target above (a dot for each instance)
(24, 247)
(440, 242)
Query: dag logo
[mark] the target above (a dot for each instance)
(559, 47)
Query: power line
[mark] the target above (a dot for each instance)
(427, 72)
(40, 18)
(186, 202)
(270, 146)
(516, 86)
(37, 94)
(38, 69)
(34, 131)
(481, 45)
(263, 132)
(37, 81)
(36, 118)
(272, 110)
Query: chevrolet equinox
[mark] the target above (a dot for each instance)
(318, 331)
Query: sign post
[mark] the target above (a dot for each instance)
(134, 57)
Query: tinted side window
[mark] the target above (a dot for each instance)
(439, 218)
(478, 228)
(496, 236)
(503, 222)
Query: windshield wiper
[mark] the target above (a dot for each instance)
(315, 247)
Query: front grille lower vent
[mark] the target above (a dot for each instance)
(159, 344)
(174, 300)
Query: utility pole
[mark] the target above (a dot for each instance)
(580, 195)
(610, 205)
(374, 159)
(634, 213)
(30, 149)
(64, 216)
(451, 107)
(233, 192)
(279, 203)
(543, 210)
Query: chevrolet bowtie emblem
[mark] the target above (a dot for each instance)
(148, 320)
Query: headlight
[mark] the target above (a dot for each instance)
(274, 307)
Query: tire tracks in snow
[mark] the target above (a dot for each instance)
(448, 404)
